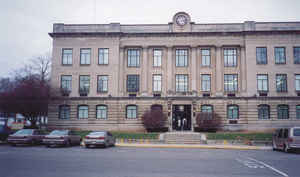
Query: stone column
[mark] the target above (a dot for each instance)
(170, 73)
(121, 74)
(144, 71)
(243, 70)
(193, 69)
(219, 71)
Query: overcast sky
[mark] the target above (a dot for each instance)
(25, 24)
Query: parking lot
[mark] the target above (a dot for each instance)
(36, 161)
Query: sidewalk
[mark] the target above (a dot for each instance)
(197, 146)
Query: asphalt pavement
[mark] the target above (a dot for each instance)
(39, 161)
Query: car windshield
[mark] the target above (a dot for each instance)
(59, 132)
(98, 133)
(297, 132)
(24, 132)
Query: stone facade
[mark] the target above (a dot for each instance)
(244, 38)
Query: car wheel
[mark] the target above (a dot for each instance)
(286, 149)
(68, 143)
(13, 144)
(87, 146)
(274, 146)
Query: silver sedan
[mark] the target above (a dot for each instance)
(99, 138)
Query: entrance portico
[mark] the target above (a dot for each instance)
(182, 117)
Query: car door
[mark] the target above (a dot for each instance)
(109, 136)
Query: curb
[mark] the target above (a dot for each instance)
(192, 146)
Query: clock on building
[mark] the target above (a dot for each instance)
(181, 20)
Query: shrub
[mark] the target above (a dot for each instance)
(206, 121)
(154, 120)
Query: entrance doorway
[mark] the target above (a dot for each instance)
(181, 117)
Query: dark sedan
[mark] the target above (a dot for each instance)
(62, 137)
(26, 136)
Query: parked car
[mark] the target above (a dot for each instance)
(4, 129)
(26, 136)
(99, 138)
(62, 137)
(286, 139)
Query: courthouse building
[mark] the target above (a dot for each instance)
(110, 74)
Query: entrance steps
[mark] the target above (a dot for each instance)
(183, 138)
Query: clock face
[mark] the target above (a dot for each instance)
(181, 20)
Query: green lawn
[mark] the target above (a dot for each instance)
(237, 135)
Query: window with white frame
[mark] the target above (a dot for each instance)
(297, 82)
(131, 112)
(181, 57)
(101, 112)
(261, 55)
(66, 83)
(232, 112)
(85, 56)
(64, 112)
(205, 55)
(133, 82)
(230, 82)
(207, 108)
(84, 83)
(280, 55)
(133, 57)
(102, 83)
(263, 111)
(83, 112)
(157, 57)
(283, 111)
(67, 55)
(296, 55)
(281, 82)
(181, 83)
(103, 56)
(262, 82)
(156, 83)
(230, 57)
(205, 82)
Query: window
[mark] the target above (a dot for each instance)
(232, 112)
(298, 112)
(85, 56)
(205, 53)
(157, 56)
(205, 82)
(283, 111)
(102, 56)
(261, 55)
(67, 56)
(263, 111)
(297, 82)
(181, 57)
(133, 83)
(279, 55)
(102, 84)
(64, 112)
(207, 108)
(84, 83)
(101, 112)
(296, 55)
(131, 112)
(230, 57)
(230, 82)
(83, 112)
(281, 82)
(156, 83)
(262, 82)
(181, 83)
(133, 57)
(66, 83)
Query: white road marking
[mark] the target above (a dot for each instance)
(250, 164)
(270, 167)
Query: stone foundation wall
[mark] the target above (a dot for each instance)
(117, 121)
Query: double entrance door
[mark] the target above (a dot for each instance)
(181, 117)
